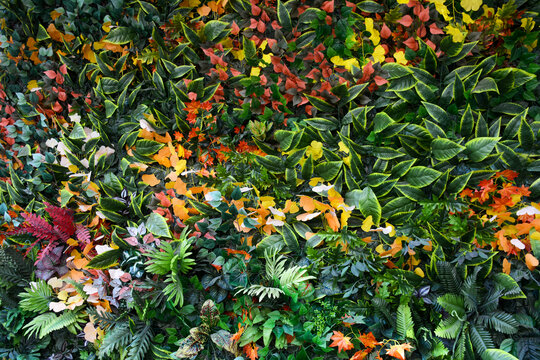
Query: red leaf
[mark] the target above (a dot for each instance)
(411, 43)
(434, 29)
(406, 21)
(385, 32)
(380, 81)
(51, 74)
(63, 69)
(424, 15)
(253, 23)
(261, 27)
(235, 29)
(328, 6)
(59, 78)
(255, 10)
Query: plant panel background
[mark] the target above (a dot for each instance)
(276, 180)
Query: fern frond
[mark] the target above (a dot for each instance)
(508, 287)
(448, 276)
(34, 327)
(174, 290)
(481, 339)
(404, 322)
(261, 292)
(140, 343)
(470, 292)
(117, 338)
(453, 304)
(293, 277)
(501, 321)
(38, 227)
(36, 298)
(62, 220)
(83, 235)
(449, 328)
(491, 301)
(103, 318)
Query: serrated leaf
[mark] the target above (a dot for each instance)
(157, 225)
(444, 149)
(105, 260)
(420, 176)
(478, 149)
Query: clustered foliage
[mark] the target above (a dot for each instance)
(244, 179)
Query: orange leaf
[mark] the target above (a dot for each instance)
(360, 355)
(307, 203)
(531, 261)
(398, 351)
(328, 6)
(332, 220)
(506, 266)
(90, 332)
(307, 216)
(342, 342)
(150, 179)
(204, 10)
(369, 340)
(251, 351)
(57, 35)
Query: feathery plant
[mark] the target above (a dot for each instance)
(172, 259)
(285, 280)
(473, 312)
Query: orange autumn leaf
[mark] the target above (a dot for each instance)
(342, 342)
(307, 216)
(360, 355)
(307, 203)
(57, 35)
(506, 266)
(398, 351)
(332, 220)
(251, 351)
(531, 261)
(368, 340)
(150, 179)
(204, 10)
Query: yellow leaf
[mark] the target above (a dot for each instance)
(400, 57)
(32, 85)
(403, 1)
(88, 54)
(239, 54)
(455, 32)
(55, 282)
(255, 71)
(367, 223)
(343, 147)
(267, 201)
(471, 5)
(72, 242)
(62, 295)
(378, 54)
(467, 19)
(315, 150)
(106, 26)
(419, 272)
(54, 14)
(90, 332)
(150, 179)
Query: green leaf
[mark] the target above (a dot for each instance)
(157, 225)
(322, 124)
(272, 163)
(396, 70)
(181, 70)
(148, 147)
(467, 122)
(320, 104)
(497, 354)
(290, 238)
(213, 28)
(366, 201)
(526, 135)
(329, 169)
(121, 35)
(437, 113)
(105, 260)
(284, 17)
(191, 35)
(444, 149)
(510, 287)
(250, 51)
(453, 304)
(458, 184)
(478, 149)
(420, 176)
(370, 7)
(77, 132)
(485, 85)
(110, 108)
(382, 120)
